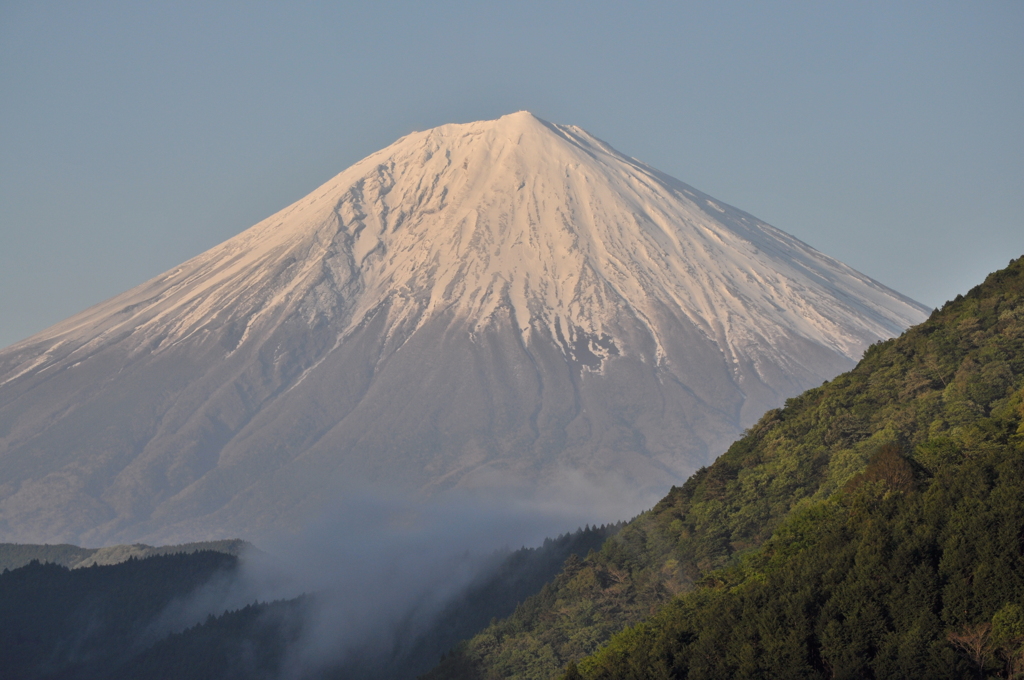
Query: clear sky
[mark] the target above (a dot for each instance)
(135, 135)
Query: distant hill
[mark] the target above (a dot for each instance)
(14, 555)
(871, 528)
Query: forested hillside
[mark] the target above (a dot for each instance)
(876, 516)
(496, 594)
(86, 623)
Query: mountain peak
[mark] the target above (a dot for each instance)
(501, 302)
(520, 121)
(523, 117)
(544, 224)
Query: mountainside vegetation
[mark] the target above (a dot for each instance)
(57, 622)
(496, 594)
(871, 528)
(250, 643)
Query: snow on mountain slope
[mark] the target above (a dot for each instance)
(506, 302)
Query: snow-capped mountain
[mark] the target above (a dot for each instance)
(506, 302)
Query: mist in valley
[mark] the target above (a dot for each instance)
(376, 569)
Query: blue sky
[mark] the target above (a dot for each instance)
(136, 135)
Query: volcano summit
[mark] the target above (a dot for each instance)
(503, 303)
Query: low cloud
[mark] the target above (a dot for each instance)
(381, 565)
